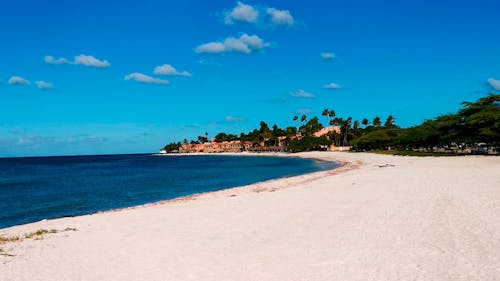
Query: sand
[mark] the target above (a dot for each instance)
(414, 219)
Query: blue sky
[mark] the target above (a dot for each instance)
(87, 77)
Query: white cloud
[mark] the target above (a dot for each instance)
(251, 14)
(234, 119)
(91, 61)
(85, 60)
(244, 44)
(332, 86)
(94, 139)
(143, 78)
(302, 94)
(303, 111)
(495, 84)
(52, 60)
(327, 56)
(169, 70)
(44, 85)
(17, 80)
(280, 17)
(242, 12)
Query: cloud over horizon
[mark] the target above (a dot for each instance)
(169, 70)
(85, 60)
(44, 85)
(234, 119)
(494, 83)
(332, 86)
(302, 94)
(245, 44)
(18, 80)
(328, 55)
(143, 78)
(303, 111)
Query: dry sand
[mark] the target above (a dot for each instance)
(421, 219)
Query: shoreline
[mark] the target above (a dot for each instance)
(262, 186)
(382, 218)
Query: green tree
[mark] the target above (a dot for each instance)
(389, 122)
(377, 122)
(202, 139)
(311, 127)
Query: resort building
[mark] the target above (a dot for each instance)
(215, 147)
(326, 131)
(264, 146)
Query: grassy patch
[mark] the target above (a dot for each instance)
(4, 240)
(39, 233)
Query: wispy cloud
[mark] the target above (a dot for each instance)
(327, 56)
(242, 12)
(234, 119)
(302, 94)
(332, 86)
(209, 63)
(18, 80)
(280, 17)
(494, 83)
(303, 111)
(276, 100)
(245, 44)
(143, 78)
(44, 85)
(169, 70)
(52, 60)
(85, 60)
(94, 139)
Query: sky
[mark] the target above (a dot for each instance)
(106, 77)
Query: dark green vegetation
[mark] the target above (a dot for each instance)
(475, 128)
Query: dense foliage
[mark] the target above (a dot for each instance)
(477, 123)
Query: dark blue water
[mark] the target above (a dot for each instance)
(32, 189)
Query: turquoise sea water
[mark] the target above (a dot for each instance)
(32, 189)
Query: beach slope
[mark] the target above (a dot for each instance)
(381, 218)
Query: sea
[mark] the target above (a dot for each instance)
(37, 188)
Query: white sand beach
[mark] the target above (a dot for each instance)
(417, 218)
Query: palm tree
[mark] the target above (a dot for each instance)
(325, 112)
(355, 125)
(347, 125)
(389, 122)
(377, 122)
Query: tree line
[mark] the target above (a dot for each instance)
(475, 123)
